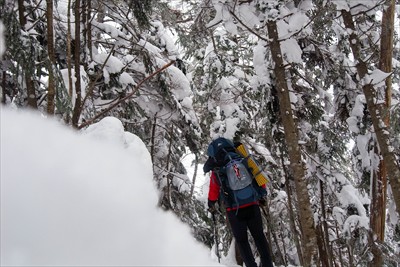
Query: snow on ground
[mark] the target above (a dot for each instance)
(74, 199)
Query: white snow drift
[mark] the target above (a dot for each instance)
(77, 199)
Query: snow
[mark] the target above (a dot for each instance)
(349, 196)
(112, 63)
(222, 14)
(355, 6)
(297, 21)
(376, 77)
(84, 198)
(149, 47)
(291, 51)
(126, 79)
(84, 82)
(352, 122)
(341, 5)
(260, 65)
(248, 15)
(165, 39)
(356, 114)
(109, 28)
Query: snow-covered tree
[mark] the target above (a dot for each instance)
(293, 80)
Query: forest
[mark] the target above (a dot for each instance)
(311, 87)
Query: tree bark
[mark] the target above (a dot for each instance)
(51, 91)
(78, 97)
(309, 239)
(379, 183)
(196, 164)
(89, 30)
(378, 112)
(30, 86)
(69, 52)
(3, 87)
(325, 248)
(292, 217)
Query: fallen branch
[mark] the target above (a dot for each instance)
(126, 97)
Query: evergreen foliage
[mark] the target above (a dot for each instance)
(222, 83)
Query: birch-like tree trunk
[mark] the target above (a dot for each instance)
(377, 111)
(51, 91)
(297, 166)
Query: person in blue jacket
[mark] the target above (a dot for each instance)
(241, 218)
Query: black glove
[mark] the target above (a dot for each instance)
(209, 165)
(262, 201)
(211, 206)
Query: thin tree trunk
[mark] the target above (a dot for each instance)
(30, 86)
(84, 17)
(321, 246)
(69, 52)
(339, 248)
(153, 137)
(196, 164)
(326, 258)
(350, 252)
(89, 30)
(309, 239)
(274, 236)
(268, 231)
(69, 60)
(292, 217)
(51, 91)
(378, 113)
(78, 97)
(283, 247)
(3, 87)
(169, 175)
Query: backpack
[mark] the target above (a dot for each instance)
(237, 183)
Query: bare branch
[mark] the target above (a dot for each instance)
(126, 97)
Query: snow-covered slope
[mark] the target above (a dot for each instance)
(74, 199)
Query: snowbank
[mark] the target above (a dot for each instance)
(84, 199)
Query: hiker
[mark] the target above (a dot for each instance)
(241, 203)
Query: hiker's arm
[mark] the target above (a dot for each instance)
(213, 192)
(209, 165)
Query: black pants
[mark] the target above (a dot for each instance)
(250, 218)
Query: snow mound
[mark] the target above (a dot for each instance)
(75, 199)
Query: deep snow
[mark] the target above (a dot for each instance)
(84, 198)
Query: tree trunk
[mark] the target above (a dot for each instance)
(196, 164)
(272, 230)
(292, 217)
(379, 183)
(168, 169)
(89, 30)
(378, 113)
(78, 98)
(3, 87)
(84, 17)
(50, 47)
(30, 86)
(69, 52)
(325, 248)
(309, 239)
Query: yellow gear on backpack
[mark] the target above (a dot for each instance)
(259, 175)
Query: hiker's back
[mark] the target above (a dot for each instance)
(234, 176)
